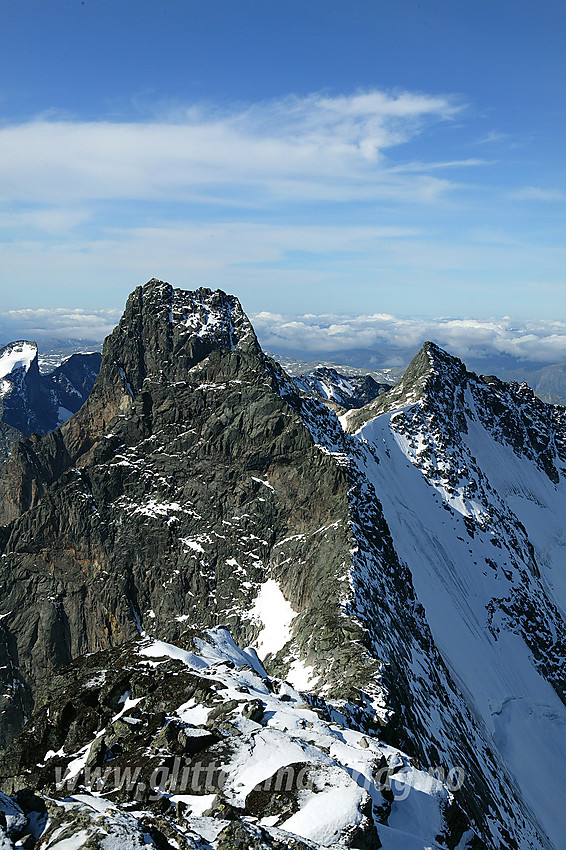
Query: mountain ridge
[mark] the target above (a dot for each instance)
(198, 488)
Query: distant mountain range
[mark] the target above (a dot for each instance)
(343, 391)
(385, 366)
(52, 351)
(32, 401)
(548, 382)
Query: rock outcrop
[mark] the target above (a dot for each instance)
(178, 488)
(199, 747)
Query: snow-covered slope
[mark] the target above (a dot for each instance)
(17, 356)
(23, 398)
(236, 752)
(470, 474)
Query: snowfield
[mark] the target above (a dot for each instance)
(17, 355)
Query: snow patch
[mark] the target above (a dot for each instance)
(276, 613)
(17, 355)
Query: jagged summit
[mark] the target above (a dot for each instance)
(429, 374)
(437, 387)
(167, 331)
(341, 391)
(162, 335)
(184, 480)
(427, 370)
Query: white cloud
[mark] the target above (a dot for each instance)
(540, 341)
(534, 193)
(296, 148)
(435, 166)
(59, 322)
(492, 136)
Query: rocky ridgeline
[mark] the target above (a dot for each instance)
(450, 403)
(202, 498)
(150, 743)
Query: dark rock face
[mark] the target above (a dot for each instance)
(72, 381)
(25, 403)
(166, 499)
(8, 436)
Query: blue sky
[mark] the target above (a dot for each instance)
(313, 157)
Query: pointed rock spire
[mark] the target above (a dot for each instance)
(432, 372)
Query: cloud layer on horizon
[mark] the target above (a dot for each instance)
(471, 339)
(539, 341)
(57, 322)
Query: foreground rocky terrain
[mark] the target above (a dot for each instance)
(151, 744)
(396, 569)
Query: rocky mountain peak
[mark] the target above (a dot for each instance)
(431, 376)
(437, 388)
(430, 369)
(401, 589)
(37, 402)
(338, 389)
(162, 335)
(166, 331)
(20, 385)
(441, 360)
(185, 482)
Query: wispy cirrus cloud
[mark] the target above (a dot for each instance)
(48, 220)
(535, 193)
(491, 137)
(308, 148)
(352, 197)
(471, 162)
